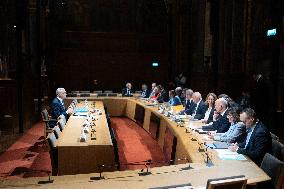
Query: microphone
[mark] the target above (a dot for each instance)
(208, 162)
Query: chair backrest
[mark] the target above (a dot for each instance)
(74, 102)
(277, 149)
(235, 182)
(61, 124)
(84, 91)
(63, 119)
(273, 136)
(57, 132)
(85, 94)
(274, 168)
(74, 92)
(112, 94)
(108, 91)
(102, 94)
(44, 115)
(71, 95)
(98, 91)
(52, 141)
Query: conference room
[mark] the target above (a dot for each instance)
(141, 94)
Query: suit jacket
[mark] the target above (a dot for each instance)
(210, 118)
(145, 93)
(187, 103)
(124, 92)
(164, 97)
(200, 111)
(259, 143)
(58, 109)
(235, 133)
(222, 124)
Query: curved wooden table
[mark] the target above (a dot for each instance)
(161, 176)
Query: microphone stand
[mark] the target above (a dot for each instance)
(142, 173)
(208, 162)
(188, 167)
(49, 181)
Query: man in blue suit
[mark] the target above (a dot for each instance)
(220, 122)
(57, 105)
(258, 141)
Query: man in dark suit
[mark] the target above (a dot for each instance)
(188, 101)
(220, 122)
(145, 91)
(258, 140)
(164, 96)
(198, 108)
(57, 105)
(127, 91)
(152, 92)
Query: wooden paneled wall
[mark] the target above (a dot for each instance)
(110, 58)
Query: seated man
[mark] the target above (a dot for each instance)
(258, 140)
(188, 100)
(57, 105)
(236, 132)
(164, 96)
(145, 91)
(198, 108)
(221, 123)
(152, 92)
(127, 90)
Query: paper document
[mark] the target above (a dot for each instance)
(81, 110)
(226, 154)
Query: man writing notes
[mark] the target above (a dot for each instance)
(57, 105)
(258, 139)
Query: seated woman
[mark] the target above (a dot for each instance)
(174, 99)
(236, 132)
(210, 101)
(155, 94)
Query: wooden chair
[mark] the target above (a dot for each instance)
(234, 182)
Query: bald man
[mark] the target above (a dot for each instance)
(198, 108)
(221, 123)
